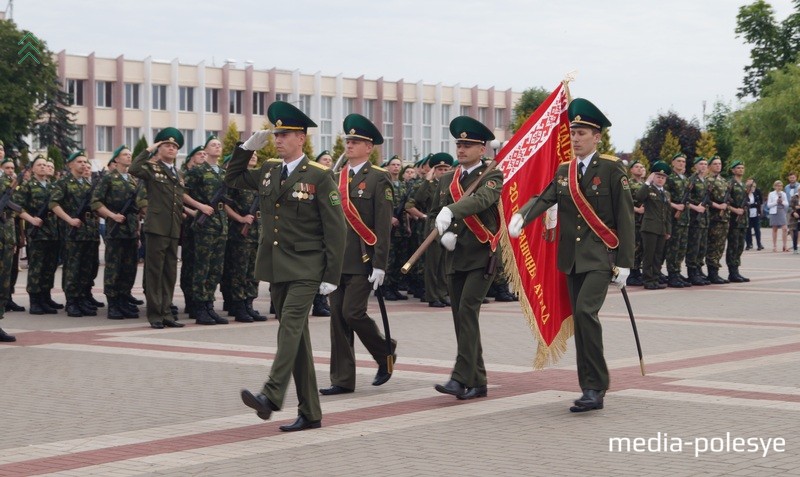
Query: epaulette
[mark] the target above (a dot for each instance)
(316, 164)
(609, 157)
(379, 168)
(274, 160)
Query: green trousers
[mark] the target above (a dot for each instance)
(467, 291)
(160, 271)
(587, 292)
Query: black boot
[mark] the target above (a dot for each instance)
(674, 281)
(129, 298)
(114, 311)
(695, 277)
(742, 278)
(49, 301)
(6, 338)
(635, 278)
(201, 316)
(397, 293)
(190, 308)
(93, 302)
(503, 294)
(11, 306)
(272, 308)
(39, 306)
(213, 314)
(735, 277)
(248, 306)
(714, 278)
(73, 309)
(239, 312)
(86, 307)
(317, 309)
(324, 303)
(128, 309)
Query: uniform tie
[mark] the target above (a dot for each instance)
(463, 177)
(580, 169)
(284, 174)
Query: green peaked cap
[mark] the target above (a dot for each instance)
(357, 126)
(583, 113)
(464, 128)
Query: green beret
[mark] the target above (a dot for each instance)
(735, 164)
(698, 159)
(660, 167)
(170, 135)
(286, 117)
(226, 159)
(441, 159)
(117, 152)
(464, 128)
(75, 155)
(323, 153)
(5, 160)
(583, 113)
(715, 158)
(39, 156)
(635, 161)
(194, 151)
(211, 137)
(357, 126)
(678, 154)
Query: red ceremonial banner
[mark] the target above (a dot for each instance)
(529, 161)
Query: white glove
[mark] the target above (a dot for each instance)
(515, 225)
(448, 241)
(443, 220)
(257, 141)
(376, 278)
(326, 288)
(621, 278)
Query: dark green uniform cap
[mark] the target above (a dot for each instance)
(210, 138)
(194, 151)
(75, 155)
(677, 155)
(698, 159)
(171, 135)
(441, 159)
(323, 153)
(735, 164)
(660, 167)
(7, 159)
(287, 117)
(582, 113)
(715, 158)
(357, 126)
(464, 128)
(634, 162)
(116, 153)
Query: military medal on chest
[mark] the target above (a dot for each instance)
(361, 187)
(595, 182)
(266, 180)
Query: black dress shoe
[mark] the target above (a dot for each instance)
(259, 402)
(6, 338)
(472, 393)
(173, 324)
(436, 304)
(333, 390)
(383, 373)
(452, 387)
(592, 399)
(301, 424)
(157, 325)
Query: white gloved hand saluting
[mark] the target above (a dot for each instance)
(515, 225)
(621, 278)
(326, 288)
(443, 220)
(448, 241)
(376, 278)
(257, 141)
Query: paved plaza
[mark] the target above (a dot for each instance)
(90, 396)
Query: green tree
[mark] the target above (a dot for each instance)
(375, 156)
(140, 146)
(22, 85)
(686, 132)
(230, 139)
(764, 130)
(54, 154)
(719, 125)
(791, 163)
(530, 99)
(605, 146)
(669, 148)
(706, 146)
(338, 148)
(56, 124)
(269, 151)
(638, 155)
(308, 148)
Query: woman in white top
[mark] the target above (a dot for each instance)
(777, 204)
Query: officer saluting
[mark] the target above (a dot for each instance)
(300, 253)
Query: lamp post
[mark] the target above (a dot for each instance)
(495, 145)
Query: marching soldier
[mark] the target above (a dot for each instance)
(162, 225)
(698, 223)
(43, 238)
(115, 200)
(300, 253)
(677, 186)
(656, 223)
(739, 220)
(717, 220)
(595, 214)
(366, 193)
(469, 230)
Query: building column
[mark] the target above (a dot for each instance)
(248, 101)
(91, 106)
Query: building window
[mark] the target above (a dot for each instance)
(235, 101)
(326, 123)
(212, 133)
(427, 128)
(75, 90)
(188, 141)
(132, 136)
(369, 111)
(186, 98)
(259, 103)
(105, 90)
(132, 95)
(105, 139)
(156, 131)
(483, 113)
(282, 97)
(348, 106)
(408, 130)
(388, 126)
(305, 104)
(160, 97)
(446, 142)
(465, 111)
(212, 100)
(79, 135)
(499, 115)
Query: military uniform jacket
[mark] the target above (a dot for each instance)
(370, 191)
(676, 186)
(635, 187)
(470, 253)
(240, 202)
(696, 197)
(719, 188)
(302, 234)
(605, 185)
(201, 184)
(113, 191)
(32, 196)
(739, 201)
(423, 199)
(164, 196)
(69, 193)
(7, 230)
(657, 211)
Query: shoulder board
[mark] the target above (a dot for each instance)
(609, 157)
(379, 168)
(316, 164)
(274, 160)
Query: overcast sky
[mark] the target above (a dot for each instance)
(634, 58)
